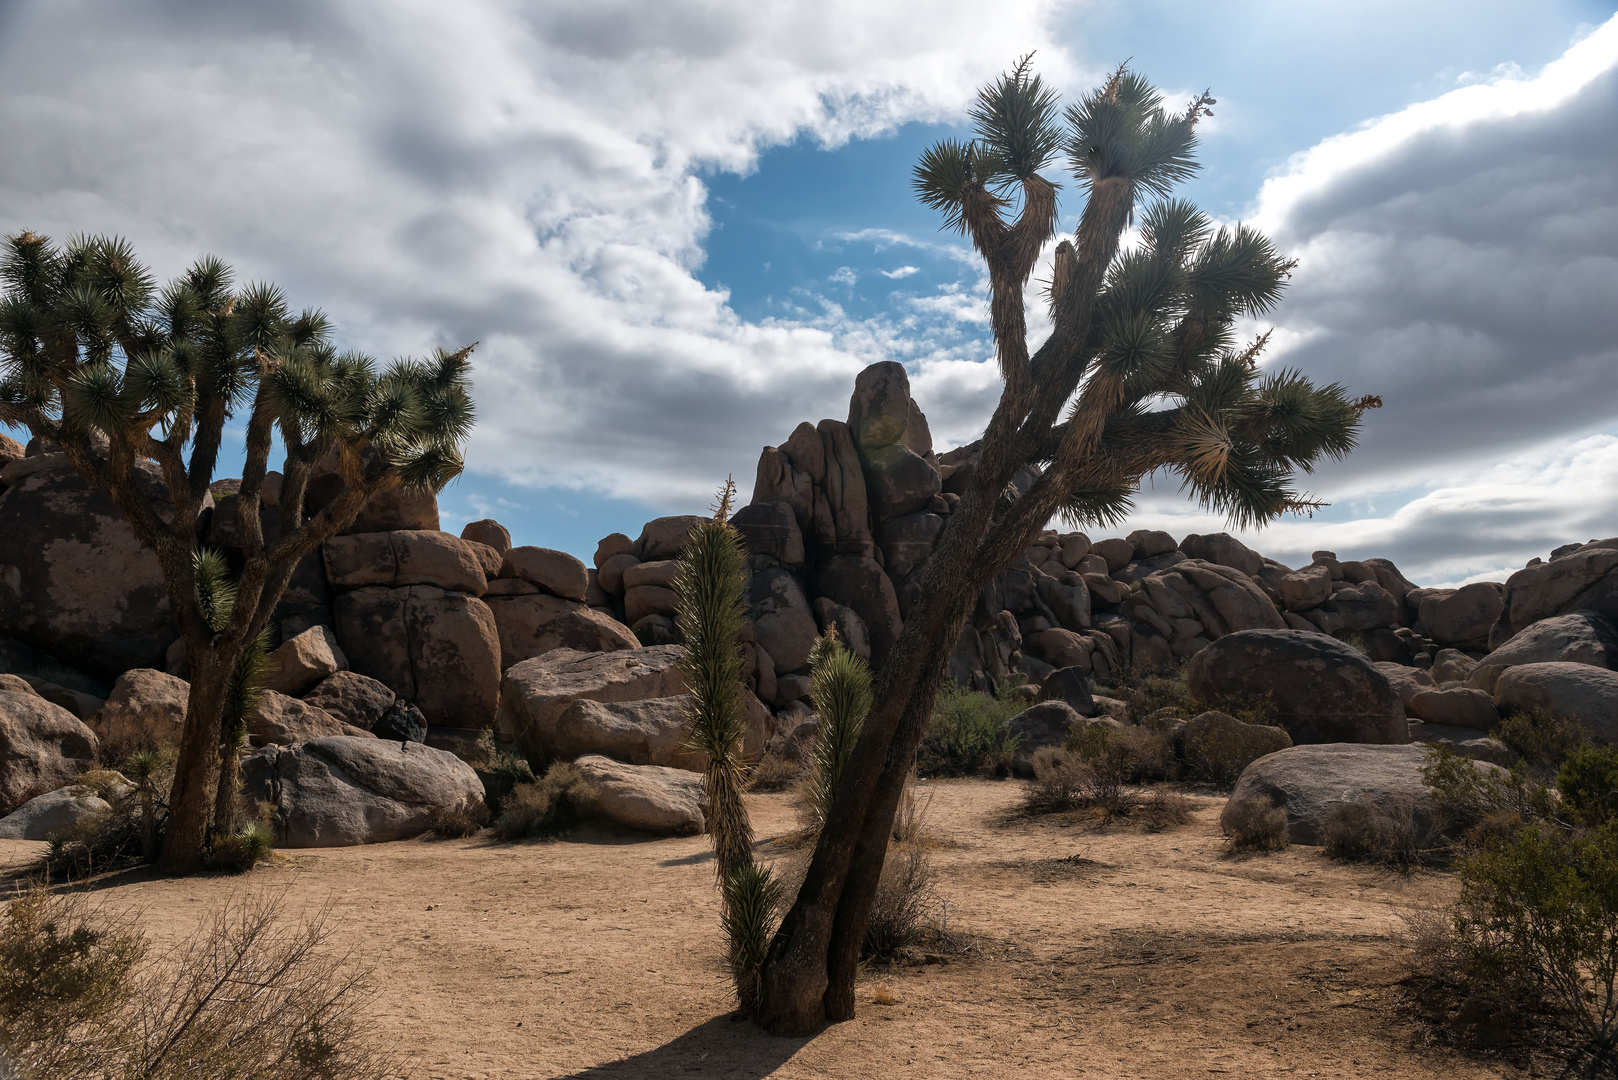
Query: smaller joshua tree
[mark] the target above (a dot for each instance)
(135, 384)
(840, 688)
(708, 588)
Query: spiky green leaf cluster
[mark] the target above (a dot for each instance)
(709, 607)
(87, 339)
(840, 689)
(751, 895)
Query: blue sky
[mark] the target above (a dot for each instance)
(680, 229)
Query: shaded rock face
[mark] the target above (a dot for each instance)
(1322, 690)
(1310, 781)
(535, 693)
(281, 720)
(556, 572)
(1407, 681)
(665, 537)
(488, 532)
(352, 698)
(1463, 617)
(1589, 694)
(650, 798)
(782, 619)
(533, 625)
(42, 747)
(336, 792)
(1456, 707)
(1584, 579)
(75, 582)
(386, 511)
(1581, 637)
(303, 661)
(1047, 724)
(401, 721)
(649, 732)
(437, 649)
(859, 583)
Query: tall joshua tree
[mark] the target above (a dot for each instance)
(1141, 373)
(91, 350)
(708, 587)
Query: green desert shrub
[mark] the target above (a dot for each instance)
(1253, 824)
(967, 735)
(1467, 794)
(1588, 783)
(1539, 910)
(552, 806)
(243, 849)
(1543, 739)
(1217, 746)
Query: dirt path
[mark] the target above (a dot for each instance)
(1103, 953)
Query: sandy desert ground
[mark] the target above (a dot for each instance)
(1100, 952)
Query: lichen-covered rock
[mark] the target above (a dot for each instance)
(651, 798)
(531, 626)
(340, 791)
(403, 557)
(437, 649)
(75, 581)
(1322, 690)
(54, 813)
(352, 698)
(42, 747)
(535, 693)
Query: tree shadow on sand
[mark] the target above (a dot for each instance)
(721, 1047)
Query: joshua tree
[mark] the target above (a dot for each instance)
(1141, 373)
(708, 587)
(840, 688)
(135, 384)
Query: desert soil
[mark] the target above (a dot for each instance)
(1100, 951)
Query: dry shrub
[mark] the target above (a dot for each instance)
(1059, 781)
(884, 995)
(251, 994)
(906, 910)
(1113, 758)
(1365, 832)
(1217, 746)
(459, 821)
(1255, 825)
(553, 805)
(775, 772)
(1162, 810)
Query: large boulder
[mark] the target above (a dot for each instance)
(75, 582)
(1224, 600)
(535, 693)
(1306, 588)
(1047, 724)
(1407, 681)
(1585, 579)
(396, 508)
(859, 583)
(352, 698)
(650, 732)
(1580, 637)
(42, 747)
(147, 708)
(403, 557)
(651, 798)
(1322, 690)
(1462, 617)
(881, 411)
(1309, 781)
(1456, 707)
(771, 529)
(54, 813)
(1223, 549)
(335, 792)
(440, 650)
(782, 619)
(898, 481)
(282, 720)
(531, 626)
(665, 537)
(1589, 694)
(300, 662)
(489, 532)
(556, 572)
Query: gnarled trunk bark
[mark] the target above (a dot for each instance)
(196, 772)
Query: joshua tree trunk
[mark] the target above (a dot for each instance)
(196, 772)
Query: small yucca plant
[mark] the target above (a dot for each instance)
(840, 688)
(751, 895)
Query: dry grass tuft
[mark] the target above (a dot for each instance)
(1255, 825)
(553, 805)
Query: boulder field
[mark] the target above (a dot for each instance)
(398, 643)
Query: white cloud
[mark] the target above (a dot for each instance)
(901, 272)
(844, 275)
(525, 176)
